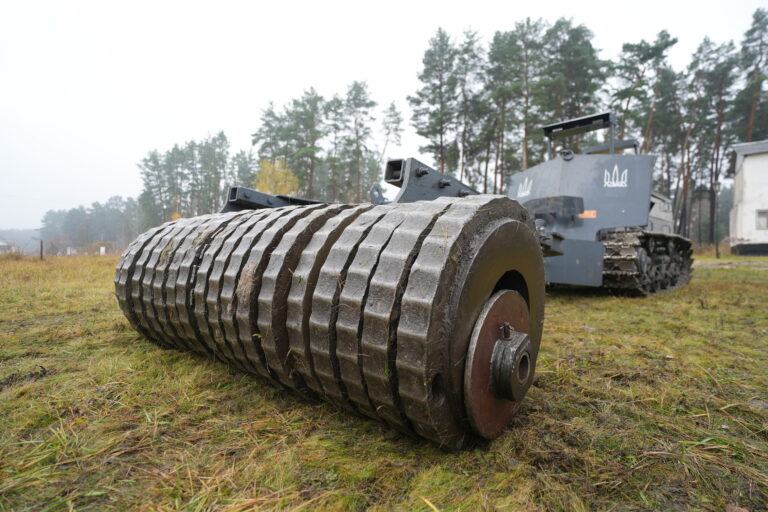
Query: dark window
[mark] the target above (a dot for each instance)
(762, 219)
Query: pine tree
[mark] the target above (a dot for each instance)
(434, 105)
(155, 199)
(242, 169)
(272, 136)
(469, 62)
(391, 124)
(715, 68)
(500, 87)
(305, 129)
(635, 72)
(527, 85)
(213, 158)
(574, 75)
(337, 125)
(754, 62)
(357, 110)
(663, 134)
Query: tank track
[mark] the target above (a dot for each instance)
(639, 262)
(362, 306)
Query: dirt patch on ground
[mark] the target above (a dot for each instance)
(18, 377)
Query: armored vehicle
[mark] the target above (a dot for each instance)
(617, 233)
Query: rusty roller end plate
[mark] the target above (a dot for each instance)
(488, 410)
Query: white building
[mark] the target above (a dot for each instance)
(7, 247)
(749, 215)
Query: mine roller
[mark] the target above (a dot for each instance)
(426, 315)
(616, 233)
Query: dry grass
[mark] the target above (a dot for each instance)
(656, 403)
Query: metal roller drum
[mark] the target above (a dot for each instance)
(426, 315)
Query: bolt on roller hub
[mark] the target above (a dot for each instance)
(426, 316)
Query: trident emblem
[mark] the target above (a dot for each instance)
(615, 179)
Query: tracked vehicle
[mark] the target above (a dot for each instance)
(617, 233)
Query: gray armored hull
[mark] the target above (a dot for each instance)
(616, 232)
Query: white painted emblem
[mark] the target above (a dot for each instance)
(615, 179)
(524, 189)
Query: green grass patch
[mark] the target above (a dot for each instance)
(641, 403)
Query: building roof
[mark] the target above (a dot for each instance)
(749, 148)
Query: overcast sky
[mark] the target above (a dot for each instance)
(87, 88)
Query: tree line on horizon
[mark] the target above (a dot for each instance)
(113, 224)
(479, 108)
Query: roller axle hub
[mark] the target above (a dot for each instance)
(511, 366)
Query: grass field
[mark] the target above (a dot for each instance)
(658, 403)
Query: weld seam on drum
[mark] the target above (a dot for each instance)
(352, 299)
(159, 283)
(148, 308)
(248, 292)
(190, 297)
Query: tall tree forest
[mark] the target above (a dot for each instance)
(478, 108)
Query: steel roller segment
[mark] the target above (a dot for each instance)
(249, 285)
(469, 250)
(215, 286)
(244, 352)
(167, 268)
(184, 321)
(325, 301)
(378, 327)
(352, 300)
(202, 284)
(136, 298)
(303, 281)
(169, 286)
(158, 258)
(275, 286)
(125, 270)
(127, 257)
